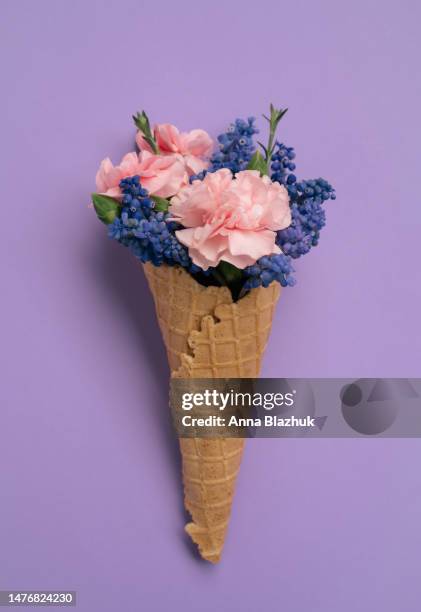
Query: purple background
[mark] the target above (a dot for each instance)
(89, 483)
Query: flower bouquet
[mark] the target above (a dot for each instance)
(216, 229)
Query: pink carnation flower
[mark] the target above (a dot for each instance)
(160, 175)
(231, 219)
(194, 147)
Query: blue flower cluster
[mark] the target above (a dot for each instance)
(283, 165)
(147, 233)
(308, 217)
(267, 269)
(299, 190)
(236, 146)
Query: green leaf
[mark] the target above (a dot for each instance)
(106, 208)
(161, 204)
(276, 115)
(279, 114)
(263, 147)
(231, 273)
(259, 163)
(151, 142)
(142, 123)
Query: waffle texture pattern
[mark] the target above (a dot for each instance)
(208, 336)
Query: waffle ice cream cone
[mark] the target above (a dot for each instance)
(208, 336)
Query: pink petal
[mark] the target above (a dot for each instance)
(141, 143)
(255, 244)
(194, 164)
(198, 143)
(168, 138)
